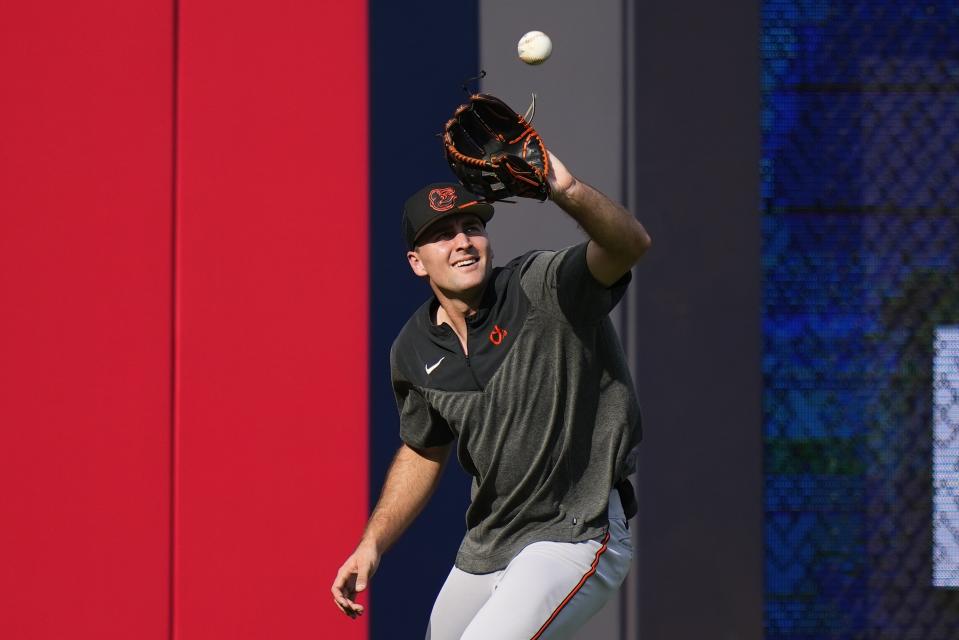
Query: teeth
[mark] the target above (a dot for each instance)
(465, 263)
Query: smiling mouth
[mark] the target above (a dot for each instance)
(465, 263)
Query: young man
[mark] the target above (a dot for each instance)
(521, 367)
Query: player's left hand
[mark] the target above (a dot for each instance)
(561, 181)
(353, 577)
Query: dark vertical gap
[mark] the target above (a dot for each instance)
(697, 131)
(174, 315)
(626, 104)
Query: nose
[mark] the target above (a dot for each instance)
(462, 239)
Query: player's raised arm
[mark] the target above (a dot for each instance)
(410, 481)
(619, 240)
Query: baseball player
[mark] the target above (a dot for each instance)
(520, 368)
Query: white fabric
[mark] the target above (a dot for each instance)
(516, 603)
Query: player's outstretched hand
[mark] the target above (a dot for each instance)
(560, 179)
(353, 577)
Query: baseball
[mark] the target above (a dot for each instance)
(534, 47)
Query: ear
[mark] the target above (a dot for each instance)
(415, 263)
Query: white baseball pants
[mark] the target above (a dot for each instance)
(547, 592)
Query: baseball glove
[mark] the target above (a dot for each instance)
(495, 152)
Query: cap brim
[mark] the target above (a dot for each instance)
(482, 210)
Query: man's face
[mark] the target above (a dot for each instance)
(454, 253)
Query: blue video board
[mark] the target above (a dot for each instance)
(860, 223)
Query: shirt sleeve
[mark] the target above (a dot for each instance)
(421, 426)
(563, 281)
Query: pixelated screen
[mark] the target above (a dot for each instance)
(860, 223)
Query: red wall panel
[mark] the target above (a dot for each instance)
(85, 359)
(272, 407)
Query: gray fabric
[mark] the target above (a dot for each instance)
(552, 431)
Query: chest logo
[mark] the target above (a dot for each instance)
(496, 335)
(431, 367)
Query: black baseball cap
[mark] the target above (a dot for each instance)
(438, 200)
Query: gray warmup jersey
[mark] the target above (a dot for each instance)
(543, 407)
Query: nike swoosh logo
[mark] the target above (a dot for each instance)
(429, 369)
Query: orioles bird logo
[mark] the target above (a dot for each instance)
(442, 199)
(496, 335)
